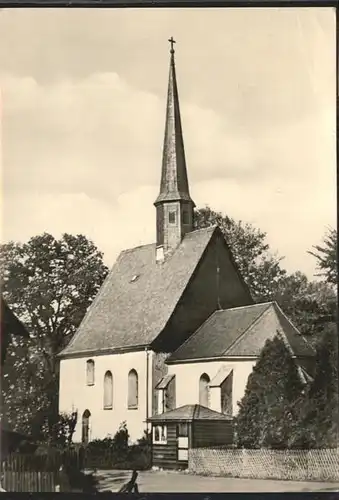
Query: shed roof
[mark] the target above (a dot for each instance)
(165, 381)
(188, 413)
(221, 375)
(130, 309)
(241, 331)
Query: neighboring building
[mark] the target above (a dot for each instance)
(10, 325)
(175, 432)
(151, 304)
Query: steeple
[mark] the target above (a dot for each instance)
(174, 205)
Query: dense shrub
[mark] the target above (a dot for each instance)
(268, 412)
(58, 431)
(318, 413)
(277, 411)
(115, 453)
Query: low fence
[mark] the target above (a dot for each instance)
(28, 473)
(31, 481)
(37, 472)
(297, 465)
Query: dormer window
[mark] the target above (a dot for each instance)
(171, 217)
(134, 278)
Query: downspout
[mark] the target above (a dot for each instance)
(147, 389)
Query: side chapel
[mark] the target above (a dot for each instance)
(174, 324)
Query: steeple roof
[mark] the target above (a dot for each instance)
(174, 182)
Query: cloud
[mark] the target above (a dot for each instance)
(102, 136)
(112, 228)
(83, 120)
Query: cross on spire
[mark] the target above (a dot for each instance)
(172, 42)
(174, 205)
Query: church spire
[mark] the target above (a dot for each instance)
(174, 204)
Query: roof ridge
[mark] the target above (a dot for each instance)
(131, 249)
(236, 341)
(280, 311)
(249, 305)
(202, 229)
(282, 335)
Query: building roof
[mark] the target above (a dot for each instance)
(10, 324)
(174, 181)
(129, 309)
(188, 413)
(165, 381)
(221, 376)
(241, 331)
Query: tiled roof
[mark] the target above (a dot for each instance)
(241, 331)
(218, 333)
(188, 413)
(130, 309)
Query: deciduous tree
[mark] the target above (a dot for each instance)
(326, 255)
(311, 305)
(259, 266)
(49, 284)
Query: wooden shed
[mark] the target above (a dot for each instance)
(191, 426)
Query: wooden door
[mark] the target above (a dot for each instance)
(182, 440)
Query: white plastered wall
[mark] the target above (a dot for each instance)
(188, 375)
(76, 395)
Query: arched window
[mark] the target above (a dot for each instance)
(132, 389)
(90, 372)
(85, 426)
(108, 391)
(204, 390)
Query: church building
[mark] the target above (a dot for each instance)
(173, 324)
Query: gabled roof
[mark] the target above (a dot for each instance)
(241, 331)
(129, 309)
(188, 413)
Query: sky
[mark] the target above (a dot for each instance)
(83, 96)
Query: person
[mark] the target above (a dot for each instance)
(63, 483)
